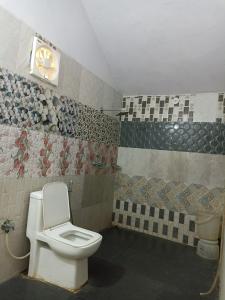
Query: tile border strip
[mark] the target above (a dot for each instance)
(160, 222)
(198, 137)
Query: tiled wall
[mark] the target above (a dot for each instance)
(163, 208)
(52, 133)
(158, 108)
(172, 195)
(26, 104)
(200, 137)
(202, 107)
(172, 161)
(163, 223)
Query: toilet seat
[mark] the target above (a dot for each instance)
(72, 235)
(71, 241)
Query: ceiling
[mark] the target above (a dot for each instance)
(162, 46)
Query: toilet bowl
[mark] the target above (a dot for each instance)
(59, 250)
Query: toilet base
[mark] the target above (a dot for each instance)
(58, 270)
(208, 249)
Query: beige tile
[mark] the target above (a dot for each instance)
(91, 89)
(9, 37)
(69, 77)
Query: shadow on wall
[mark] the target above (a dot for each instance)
(92, 201)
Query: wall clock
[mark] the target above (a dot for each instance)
(45, 61)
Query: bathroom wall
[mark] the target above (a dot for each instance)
(53, 20)
(172, 161)
(52, 133)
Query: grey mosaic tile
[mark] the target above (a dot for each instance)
(158, 108)
(198, 137)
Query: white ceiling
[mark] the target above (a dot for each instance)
(162, 46)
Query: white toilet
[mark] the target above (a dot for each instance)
(59, 250)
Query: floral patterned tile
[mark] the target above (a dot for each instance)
(36, 154)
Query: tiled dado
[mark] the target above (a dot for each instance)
(26, 104)
(204, 137)
(158, 108)
(160, 222)
(36, 154)
(172, 195)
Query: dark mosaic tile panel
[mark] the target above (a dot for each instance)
(26, 104)
(192, 226)
(196, 242)
(155, 227)
(118, 204)
(175, 232)
(161, 213)
(171, 215)
(137, 222)
(134, 207)
(128, 221)
(174, 136)
(181, 218)
(146, 225)
(120, 218)
(143, 207)
(152, 211)
(126, 204)
(185, 239)
(165, 230)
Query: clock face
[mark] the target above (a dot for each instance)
(45, 61)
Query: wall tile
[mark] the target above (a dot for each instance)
(156, 223)
(28, 105)
(188, 167)
(186, 137)
(91, 89)
(175, 196)
(10, 39)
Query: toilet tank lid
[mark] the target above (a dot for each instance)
(37, 195)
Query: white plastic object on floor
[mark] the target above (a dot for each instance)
(208, 249)
(208, 226)
(59, 250)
